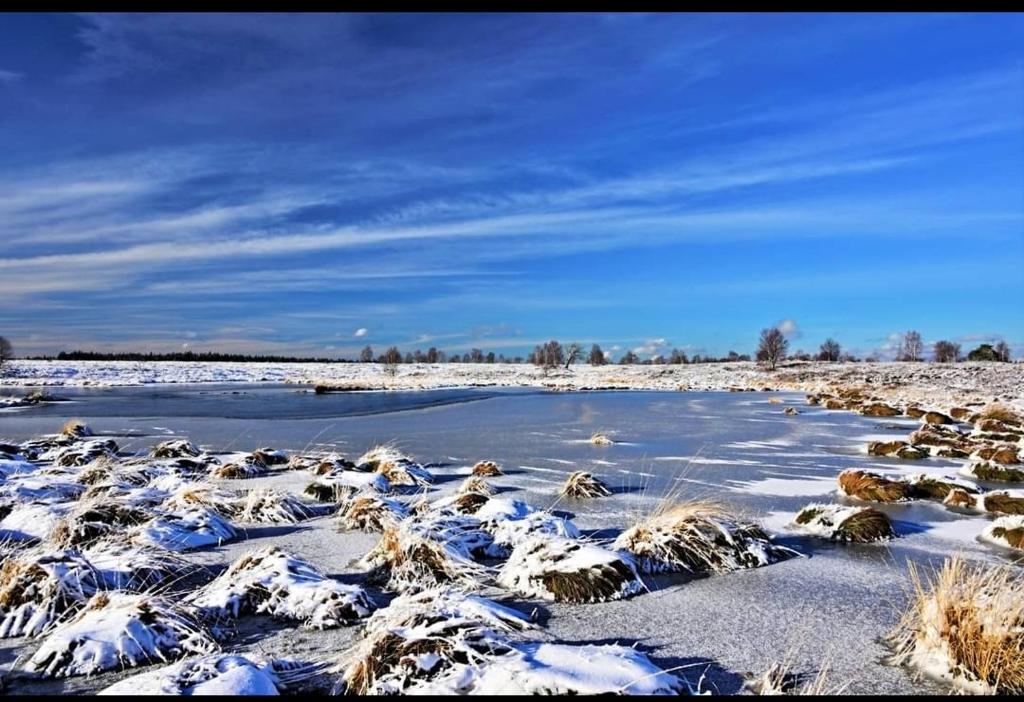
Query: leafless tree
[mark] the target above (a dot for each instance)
(830, 350)
(572, 353)
(550, 355)
(911, 347)
(771, 348)
(677, 357)
(596, 356)
(1002, 351)
(945, 352)
(366, 355)
(6, 353)
(628, 359)
(390, 360)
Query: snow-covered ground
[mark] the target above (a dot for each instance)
(932, 385)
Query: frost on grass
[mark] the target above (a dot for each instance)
(195, 527)
(396, 467)
(475, 484)
(82, 453)
(91, 520)
(565, 570)
(247, 466)
(175, 448)
(424, 635)
(966, 626)
(1006, 531)
(38, 587)
(512, 522)
(270, 506)
(207, 495)
(123, 565)
(698, 537)
(216, 674)
(581, 484)
(844, 523)
(32, 521)
(872, 487)
(329, 487)
(370, 512)
(414, 555)
(271, 581)
(119, 630)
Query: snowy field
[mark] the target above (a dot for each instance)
(106, 513)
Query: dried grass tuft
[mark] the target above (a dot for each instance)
(487, 469)
(872, 487)
(581, 484)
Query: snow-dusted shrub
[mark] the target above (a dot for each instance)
(119, 630)
(698, 537)
(581, 484)
(565, 570)
(844, 523)
(967, 627)
(271, 581)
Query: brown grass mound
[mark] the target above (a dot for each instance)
(92, 520)
(937, 418)
(487, 469)
(848, 524)
(930, 488)
(986, 470)
(601, 439)
(699, 537)
(581, 484)
(75, 429)
(970, 618)
(1014, 537)
(329, 492)
(879, 409)
(872, 487)
(370, 513)
(1007, 454)
(248, 467)
(404, 561)
(960, 498)
(1003, 503)
(1001, 413)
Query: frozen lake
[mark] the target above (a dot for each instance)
(830, 608)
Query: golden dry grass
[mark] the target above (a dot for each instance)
(487, 469)
(475, 483)
(972, 614)
(581, 484)
(872, 487)
(1002, 413)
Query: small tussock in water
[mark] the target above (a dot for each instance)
(487, 469)
(698, 537)
(1001, 413)
(329, 492)
(270, 506)
(397, 468)
(175, 448)
(966, 626)
(1006, 531)
(75, 429)
(118, 630)
(476, 484)
(987, 470)
(566, 570)
(601, 439)
(581, 484)
(872, 487)
(843, 523)
(930, 487)
(369, 512)
(246, 467)
(92, 520)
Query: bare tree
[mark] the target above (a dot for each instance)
(911, 347)
(389, 361)
(596, 356)
(366, 355)
(1002, 351)
(771, 348)
(830, 350)
(677, 357)
(572, 353)
(945, 352)
(550, 355)
(628, 359)
(6, 353)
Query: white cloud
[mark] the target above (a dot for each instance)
(361, 332)
(789, 329)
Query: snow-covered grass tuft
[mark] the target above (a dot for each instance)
(425, 634)
(91, 520)
(698, 537)
(414, 555)
(191, 495)
(270, 506)
(216, 674)
(370, 512)
(581, 484)
(566, 570)
(1006, 531)
(844, 523)
(247, 466)
(966, 626)
(476, 484)
(271, 581)
(119, 630)
(601, 439)
(175, 448)
(39, 587)
(195, 527)
(75, 429)
(397, 468)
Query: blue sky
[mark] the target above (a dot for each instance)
(309, 184)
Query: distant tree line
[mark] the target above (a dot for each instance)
(202, 356)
